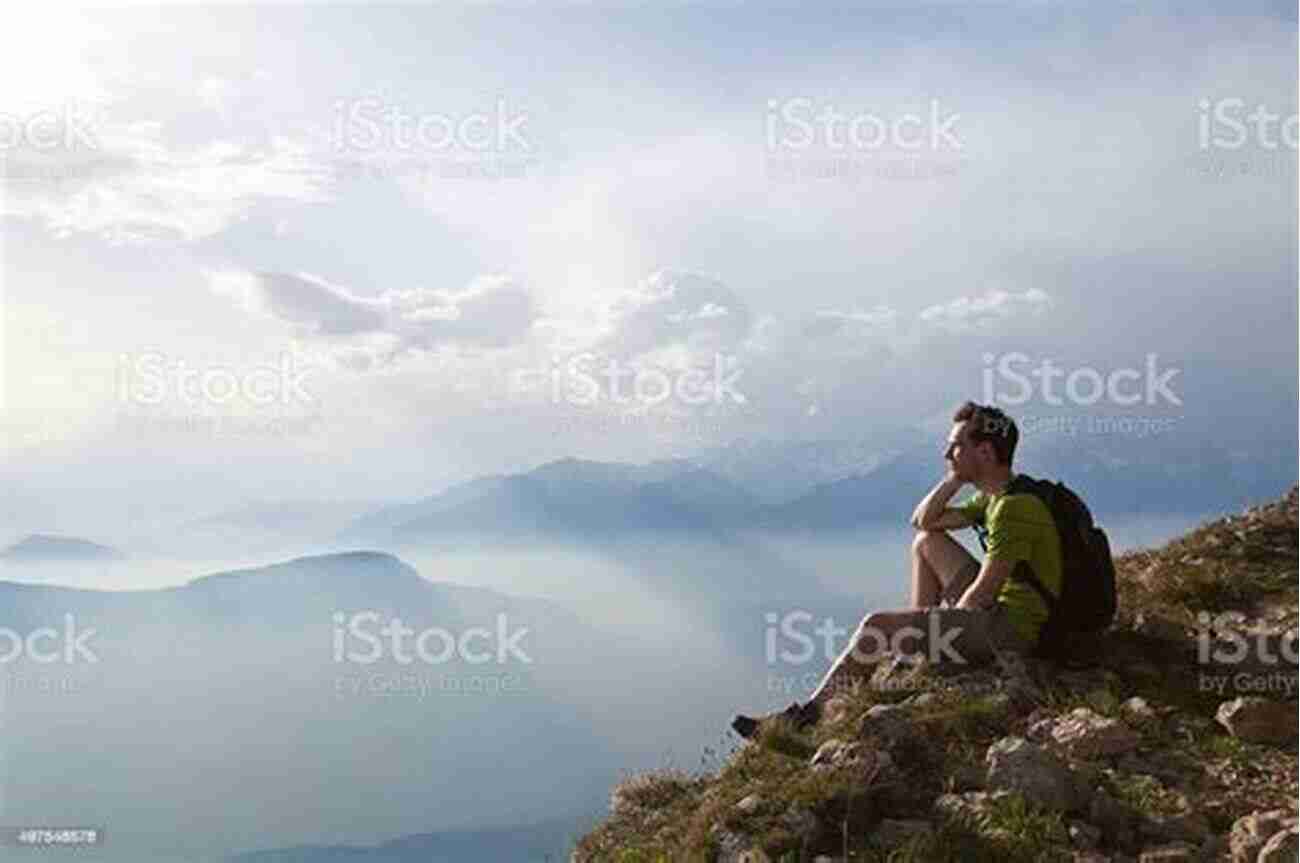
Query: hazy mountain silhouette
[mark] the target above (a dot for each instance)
(40, 547)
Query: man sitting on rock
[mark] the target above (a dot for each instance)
(987, 611)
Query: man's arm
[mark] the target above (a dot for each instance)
(933, 512)
(986, 585)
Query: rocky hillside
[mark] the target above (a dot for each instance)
(1174, 741)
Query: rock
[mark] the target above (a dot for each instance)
(889, 723)
(1174, 852)
(1083, 733)
(893, 832)
(835, 754)
(1112, 816)
(921, 700)
(1160, 628)
(1251, 832)
(730, 845)
(1284, 847)
(1185, 826)
(1258, 720)
(1015, 764)
(827, 752)
(1084, 835)
(1138, 708)
(967, 805)
(750, 804)
(754, 855)
(837, 710)
(800, 821)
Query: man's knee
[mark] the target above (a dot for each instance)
(926, 539)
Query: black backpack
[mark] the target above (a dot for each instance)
(1087, 603)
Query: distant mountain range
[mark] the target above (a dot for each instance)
(538, 843)
(47, 548)
(587, 500)
(229, 697)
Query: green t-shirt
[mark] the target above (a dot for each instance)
(1020, 527)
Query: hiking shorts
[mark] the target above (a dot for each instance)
(984, 630)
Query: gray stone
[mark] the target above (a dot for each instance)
(1015, 764)
(750, 804)
(1083, 733)
(800, 821)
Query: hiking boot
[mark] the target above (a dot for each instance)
(801, 716)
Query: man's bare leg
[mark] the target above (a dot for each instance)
(873, 636)
(938, 559)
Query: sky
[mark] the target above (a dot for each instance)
(317, 251)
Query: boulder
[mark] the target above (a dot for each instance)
(1015, 764)
(1258, 720)
(1083, 733)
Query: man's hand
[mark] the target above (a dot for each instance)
(984, 589)
(932, 508)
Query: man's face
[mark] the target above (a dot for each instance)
(961, 455)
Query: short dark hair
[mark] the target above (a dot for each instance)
(990, 424)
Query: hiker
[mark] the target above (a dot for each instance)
(987, 610)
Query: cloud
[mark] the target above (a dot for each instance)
(124, 183)
(492, 311)
(676, 309)
(967, 313)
